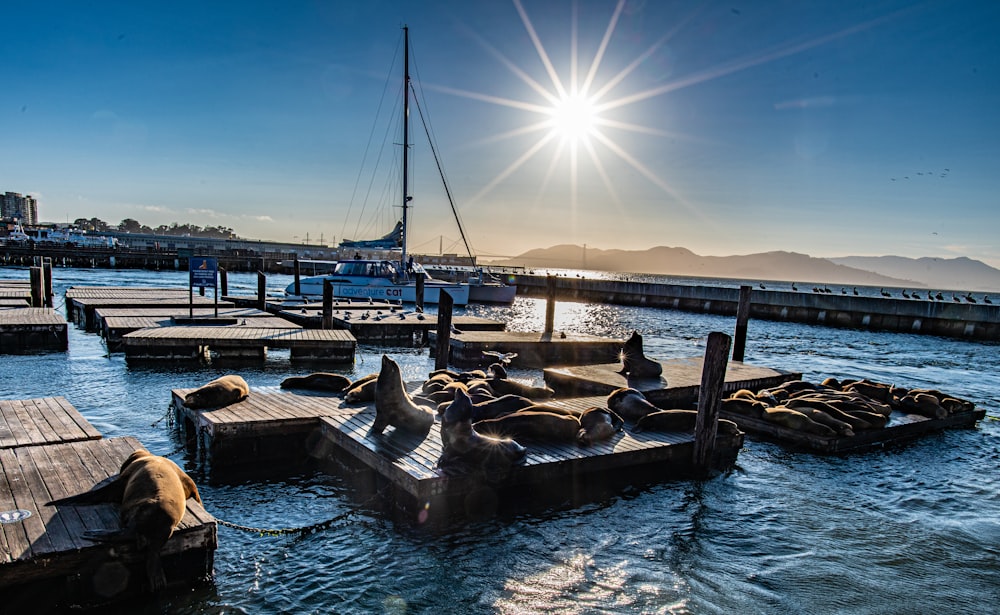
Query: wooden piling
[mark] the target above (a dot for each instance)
(742, 316)
(298, 276)
(420, 293)
(713, 378)
(35, 274)
(47, 281)
(224, 281)
(261, 291)
(327, 304)
(550, 305)
(445, 306)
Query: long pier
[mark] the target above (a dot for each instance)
(965, 320)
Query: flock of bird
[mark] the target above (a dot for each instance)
(929, 296)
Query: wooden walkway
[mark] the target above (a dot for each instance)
(677, 387)
(533, 349)
(117, 322)
(28, 329)
(238, 342)
(47, 420)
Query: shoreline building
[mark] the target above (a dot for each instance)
(15, 206)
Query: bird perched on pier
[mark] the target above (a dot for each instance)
(969, 298)
(905, 296)
(986, 299)
(503, 358)
(939, 297)
(794, 287)
(955, 299)
(843, 291)
(762, 286)
(884, 293)
(855, 290)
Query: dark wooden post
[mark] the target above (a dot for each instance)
(550, 304)
(47, 281)
(713, 378)
(445, 306)
(35, 274)
(298, 276)
(261, 291)
(224, 281)
(742, 316)
(420, 293)
(327, 304)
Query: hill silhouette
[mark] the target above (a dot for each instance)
(891, 271)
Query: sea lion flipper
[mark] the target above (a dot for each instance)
(108, 490)
(119, 535)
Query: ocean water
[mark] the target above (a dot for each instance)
(906, 529)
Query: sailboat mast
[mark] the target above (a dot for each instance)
(406, 135)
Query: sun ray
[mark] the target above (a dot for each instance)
(602, 48)
(544, 57)
(504, 102)
(603, 174)
(523, 76)
(516, 132)
(513, 166)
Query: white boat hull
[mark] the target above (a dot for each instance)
(407, 293)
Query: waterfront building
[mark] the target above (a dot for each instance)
(16, 206)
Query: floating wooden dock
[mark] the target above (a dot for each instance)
(287, 427)
(81, 301)
(267, 427)
(48, 450)
(676, 388)
(116, 322)
(238, 342)
(47, 420)
(533, 349)
(27, 329)
(404, 329)
(557, 471)
(902, 427)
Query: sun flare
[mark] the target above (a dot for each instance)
(574, 117)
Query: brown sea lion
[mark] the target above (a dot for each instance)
(924, 405)
(744, 394)
(743, 406)
(545, 426)
(394, 406)
(597, 424)
(876, 390)
(635, 364)
(317, 381)
(152, 494)
(464, 449)
(222, 391)
(361, 393)
(793, 419)
(493, 407)
(679, 420)
(832, 408)
(843, 428)
(504, 386)
(630, 404)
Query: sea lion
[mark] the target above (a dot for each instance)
(875, 390)
(394, 406)
(843, 428)
(833, 408)
(220, 392)
(924, 405)
(464, 449)
(492, 408)
(504, 386)
(743, 406)
(597, 424)
(361, 390)
(635, 364)
(537, 425)
(317, 381)
(679, 420)
(630, 404)
(793, 419)
(151, 493)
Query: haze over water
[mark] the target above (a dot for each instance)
(907, 529)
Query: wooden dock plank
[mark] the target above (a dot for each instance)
(49, 544)
(534, 349)
(48, 420)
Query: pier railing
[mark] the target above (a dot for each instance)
(946, 318)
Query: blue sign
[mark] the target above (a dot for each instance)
(203, 271)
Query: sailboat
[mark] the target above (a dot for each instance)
(387, 280)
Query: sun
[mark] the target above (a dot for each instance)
(574, 117)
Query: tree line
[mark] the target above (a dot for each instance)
(128, 225)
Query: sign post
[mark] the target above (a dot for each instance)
(203, 274)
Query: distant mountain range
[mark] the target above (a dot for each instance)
(962, 274)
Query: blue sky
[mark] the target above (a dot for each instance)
(826, 128)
